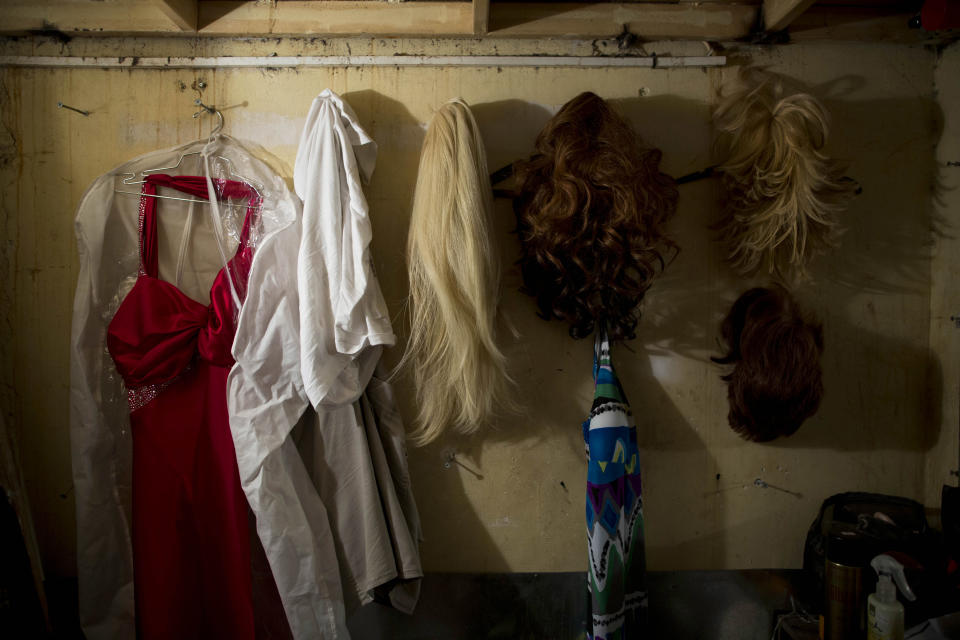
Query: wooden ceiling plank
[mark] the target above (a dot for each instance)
(336, 17)
(183, 13)
(95, 17)
(778, 14)
(858, 24)
(481, 17)
(706, 21)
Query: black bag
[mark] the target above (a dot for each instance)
(883, 524)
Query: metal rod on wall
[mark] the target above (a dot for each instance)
(274, 62)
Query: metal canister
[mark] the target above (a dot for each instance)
(844, 616)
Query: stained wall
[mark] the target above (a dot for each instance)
(516, 501)
(942, 463)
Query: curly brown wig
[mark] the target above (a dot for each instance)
(776, 382)
(590, 210)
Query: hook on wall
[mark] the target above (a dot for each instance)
(60, 105)
(763, 484)
(449, 458)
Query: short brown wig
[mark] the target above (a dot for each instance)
(776, 382)
(590, 213)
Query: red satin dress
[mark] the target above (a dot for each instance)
(191, 545)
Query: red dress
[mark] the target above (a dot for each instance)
(191, 545)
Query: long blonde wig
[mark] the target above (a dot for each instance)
(458, 367)
(781, 192)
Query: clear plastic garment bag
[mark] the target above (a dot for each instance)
(211, 200)
(317, 439)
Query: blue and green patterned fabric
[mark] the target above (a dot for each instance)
(617, 571)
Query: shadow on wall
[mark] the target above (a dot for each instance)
(542, 354)
(881, 385)
(882, 388)
(890, 226)
(509, 129)
(554, 371)
(399, 137)
(881, 392)
(680, 127)
(450, 525)
(681, 311)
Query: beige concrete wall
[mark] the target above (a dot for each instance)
(519, 507)
(945, 274)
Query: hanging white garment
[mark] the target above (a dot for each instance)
(108, 235)
(332, 499)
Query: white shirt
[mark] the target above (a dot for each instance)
(310, 333)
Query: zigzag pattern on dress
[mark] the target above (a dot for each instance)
(606, 503)
(603, 543)
(611, 627)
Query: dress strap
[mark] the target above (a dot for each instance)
(149, 257)
(195, 186)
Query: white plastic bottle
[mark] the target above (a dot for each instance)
(884, 612)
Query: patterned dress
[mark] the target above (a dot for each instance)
(617, 573)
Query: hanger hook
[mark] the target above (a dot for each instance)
(219, 126)
(208, 109)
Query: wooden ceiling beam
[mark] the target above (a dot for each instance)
(858, 24)
(183, 13)
(476, 18)
(778, 14)
(649, 20)
(336, 18)
(481, 17)
(85, 17)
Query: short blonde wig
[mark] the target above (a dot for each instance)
(781, 192)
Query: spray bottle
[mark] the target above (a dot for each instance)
(884, 613)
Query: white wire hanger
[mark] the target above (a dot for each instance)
(134, 178)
